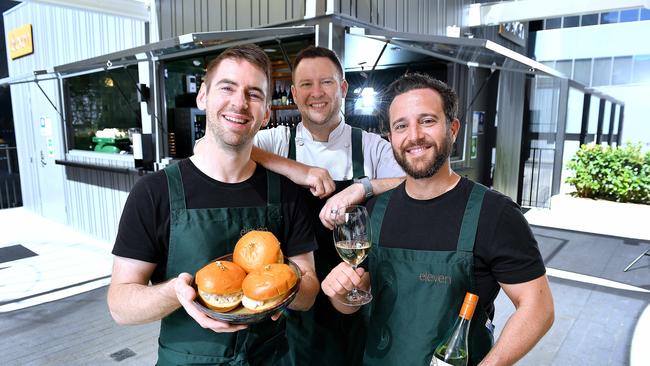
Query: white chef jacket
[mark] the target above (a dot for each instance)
(335, 155)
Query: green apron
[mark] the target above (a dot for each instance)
(196, 237)
(417, 294)
(322, 335)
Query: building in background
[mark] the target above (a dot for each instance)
(135, 66)
(606, 52)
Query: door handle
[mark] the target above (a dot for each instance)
(43, 161)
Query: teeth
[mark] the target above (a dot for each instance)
(318, 105)
(234, 120)
(416, 150)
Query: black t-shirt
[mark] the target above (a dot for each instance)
(143, 232)
(505, 249)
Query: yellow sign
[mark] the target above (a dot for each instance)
(19, 41)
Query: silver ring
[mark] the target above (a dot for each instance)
(333, 211)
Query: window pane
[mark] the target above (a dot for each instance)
(582, 71)
(629, 15)
(641, 69)
(606, 115)
(553, 23)
(622, 70)
(564, 66)
(645, 14)
(602, 71)
(570, 22)
(589, 19)
(607, 18)
(574, 111)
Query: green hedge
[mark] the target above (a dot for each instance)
(613, 173)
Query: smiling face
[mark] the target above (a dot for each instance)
(318, 89)
(235, 102)
(419, 133)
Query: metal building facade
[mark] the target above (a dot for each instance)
(84, 199)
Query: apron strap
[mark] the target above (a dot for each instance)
(292, 144)
(357, 153)
(469, 225)
(377, 216)
(273, 188)
(175, 185)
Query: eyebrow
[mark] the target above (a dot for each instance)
(232, 82)
(421, 115)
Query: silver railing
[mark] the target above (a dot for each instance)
(10, 194)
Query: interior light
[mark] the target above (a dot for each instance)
(108, 82)
(368, 97)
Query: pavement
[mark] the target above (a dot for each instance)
(53, 281)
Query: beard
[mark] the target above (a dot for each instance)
(225, 137)
(430, 166)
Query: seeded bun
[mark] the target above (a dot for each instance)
(220, 285)
(257, 249)
(267, 287)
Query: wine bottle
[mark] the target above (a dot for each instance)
(289, 96)
(453, 350)
(275, 100)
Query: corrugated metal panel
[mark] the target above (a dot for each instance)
(413, 16)
(60, 36)
(96, 198)
(177, 17)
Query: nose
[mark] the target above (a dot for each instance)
(414, 132)
(316, 90)
(239, 100)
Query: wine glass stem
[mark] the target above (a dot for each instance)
(354, 293)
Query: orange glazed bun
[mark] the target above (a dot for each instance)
(219, 285)
(257, 249)
(265, 288)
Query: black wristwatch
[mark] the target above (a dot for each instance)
(367, 186)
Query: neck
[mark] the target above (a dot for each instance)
(224, 165)
(322, 132)
(427, 188)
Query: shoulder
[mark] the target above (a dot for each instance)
(372, 139)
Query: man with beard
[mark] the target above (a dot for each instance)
(437, 236)
(177, 220)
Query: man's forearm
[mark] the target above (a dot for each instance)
(280, 165)
(139, 304)
(309, 287)
(381, 185)
(532, 318)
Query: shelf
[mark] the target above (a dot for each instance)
(105, 168)
(283, 107)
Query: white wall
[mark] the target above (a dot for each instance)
(619, 39)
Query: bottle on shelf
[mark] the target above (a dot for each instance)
(452, 351)
(283, 96)
(289, 96)
(276, 95)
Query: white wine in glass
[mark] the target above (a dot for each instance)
(352, 242)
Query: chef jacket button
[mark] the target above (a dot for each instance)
(300, 143)
(346, 145)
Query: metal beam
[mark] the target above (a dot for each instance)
(136, 9)
(526, 10)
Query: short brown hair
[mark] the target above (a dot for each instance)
(246, 52)
(314, 52)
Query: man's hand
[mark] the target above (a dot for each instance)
(352, 195)
(340, 281)
(319, 182)
(186, 295)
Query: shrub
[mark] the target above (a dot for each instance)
(613, 173)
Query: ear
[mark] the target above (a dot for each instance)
(455, 126)
(344, 88)
(267, 115)
(293, 92)
(201, 97)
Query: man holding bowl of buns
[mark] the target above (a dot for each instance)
(191, 215)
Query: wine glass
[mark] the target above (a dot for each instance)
(352, 242)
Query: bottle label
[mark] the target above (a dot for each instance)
(437, 362)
